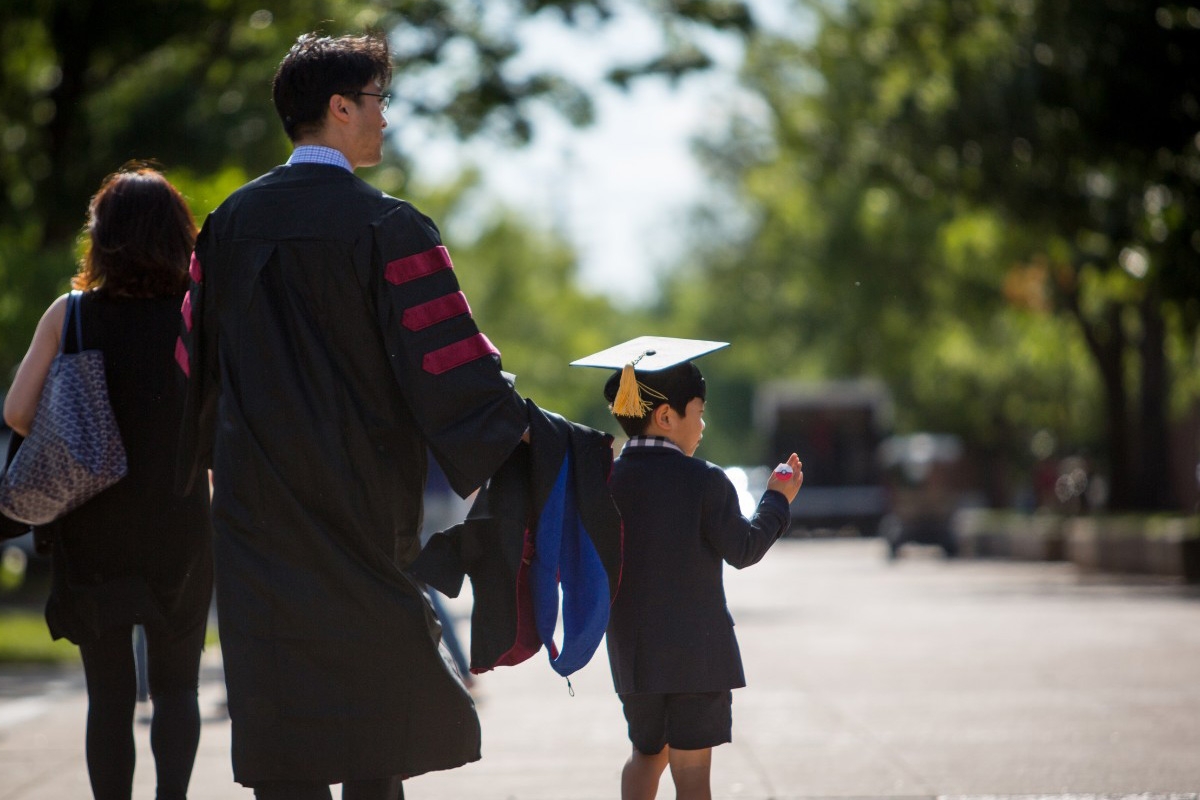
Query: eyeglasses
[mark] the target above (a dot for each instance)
(385, 99)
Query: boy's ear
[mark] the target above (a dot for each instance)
(662, 415)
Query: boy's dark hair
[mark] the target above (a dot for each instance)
(636, 426)
(679, 385)
(140, 235)
(318, 67)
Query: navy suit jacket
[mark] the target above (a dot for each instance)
(670, 630)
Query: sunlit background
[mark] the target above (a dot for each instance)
(954, 243)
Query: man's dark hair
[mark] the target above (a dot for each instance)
(318, 67)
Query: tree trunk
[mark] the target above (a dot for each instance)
(1152, 483)
(71, 29)
(1108, 351)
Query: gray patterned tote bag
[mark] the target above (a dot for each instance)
(74, 449)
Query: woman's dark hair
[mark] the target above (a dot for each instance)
(318, 67)
(139, 236)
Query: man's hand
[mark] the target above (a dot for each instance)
(788, 485)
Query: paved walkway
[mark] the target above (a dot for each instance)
(920, 679)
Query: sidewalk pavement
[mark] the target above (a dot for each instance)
(920, 679)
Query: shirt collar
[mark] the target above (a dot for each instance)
(320, 154)
(651, 441)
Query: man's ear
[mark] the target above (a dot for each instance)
(337, 107)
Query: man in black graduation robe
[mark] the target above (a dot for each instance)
(327, 346)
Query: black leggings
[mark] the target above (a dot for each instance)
(174, 672)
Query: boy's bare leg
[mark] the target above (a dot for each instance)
(690, 770)
(639, 779)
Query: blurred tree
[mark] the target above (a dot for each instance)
(1081, 126)
(964, 197)
(86, 86)
(523, 291)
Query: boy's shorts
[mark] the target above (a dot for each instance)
(691, 721)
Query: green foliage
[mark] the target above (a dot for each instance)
(88, 86)
(205, 191)
(27, 270)
(991, 204)
(523, 293)
(24, 639)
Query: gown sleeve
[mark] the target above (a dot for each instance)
(447, 369)
(196, 357)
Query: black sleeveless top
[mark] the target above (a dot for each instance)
(136, 553)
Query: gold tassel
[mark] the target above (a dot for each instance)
(628, 402)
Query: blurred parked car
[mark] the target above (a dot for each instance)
(836, 428)
(923, 473)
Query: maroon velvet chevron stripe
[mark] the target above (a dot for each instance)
(181, 358)
(454, 355)
(409, 268)
(442, 308)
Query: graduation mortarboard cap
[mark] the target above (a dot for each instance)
(658, 367)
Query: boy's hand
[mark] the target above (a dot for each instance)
(788, 485)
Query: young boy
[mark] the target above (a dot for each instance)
(671, 644)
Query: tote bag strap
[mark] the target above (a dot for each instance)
(75, 313)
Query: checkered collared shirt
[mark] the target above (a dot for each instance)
(320, 154)
(650, 441)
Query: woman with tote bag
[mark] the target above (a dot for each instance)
(134, 554)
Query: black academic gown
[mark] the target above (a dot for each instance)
(327, 345)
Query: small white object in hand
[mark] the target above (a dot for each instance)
(783, 472)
